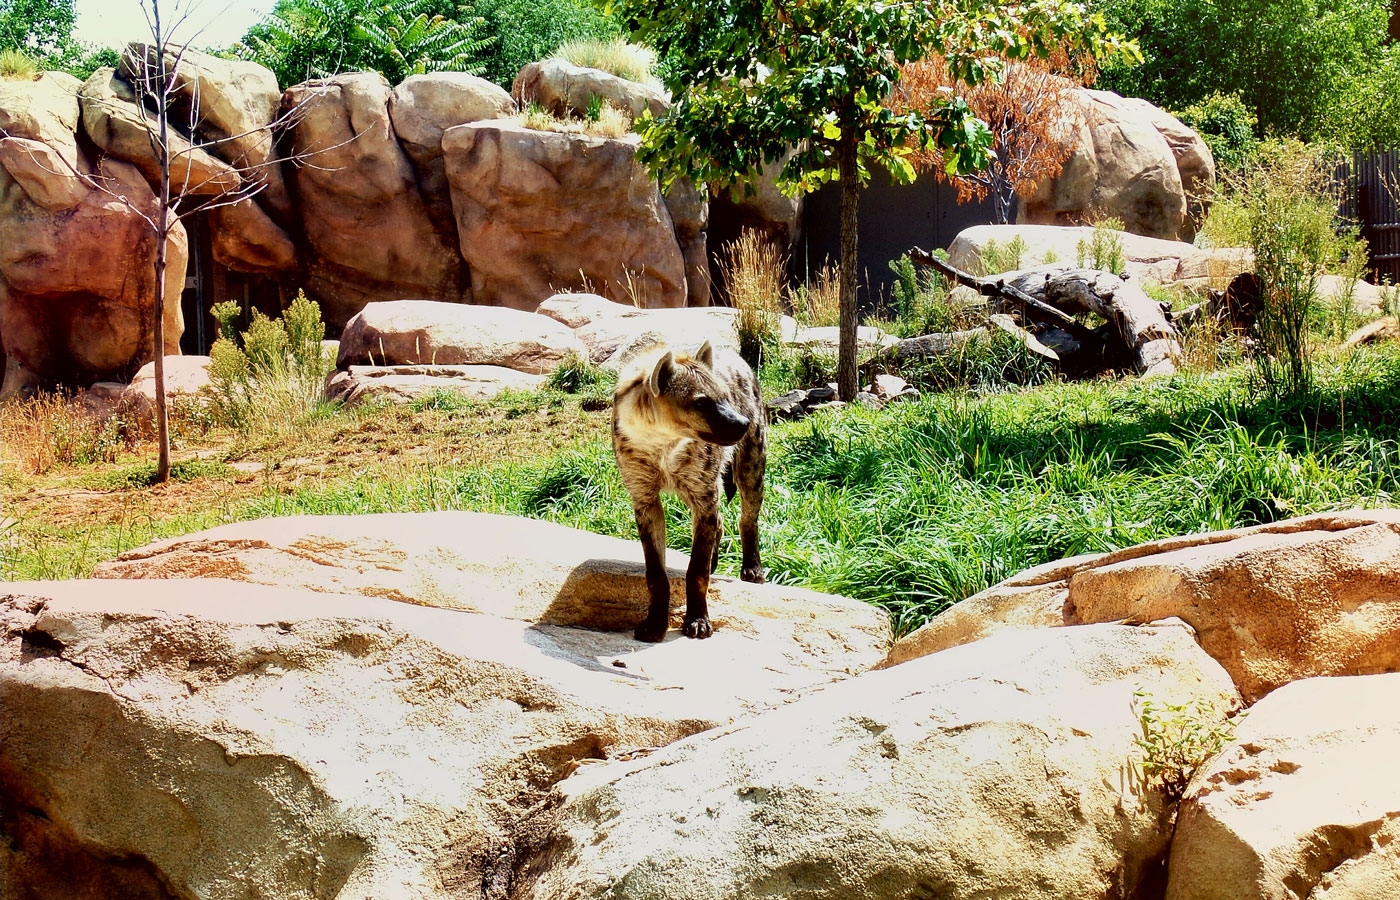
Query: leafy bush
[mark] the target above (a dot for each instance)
(1228, 128)
(630, 61)
(271, 373)
(524, 31)
(986, 363)
(1104, 248)
(921, 303)
(1177, 739)
(997, 257)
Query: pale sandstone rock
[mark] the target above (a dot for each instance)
(1130, 161)
(613, 339)
(539, 212)
(1384, 329)
(185, 376)
(228, 740)
(565, 89)
(246, 239)
(233, 103)
(507, 567)
(117, 125)
(827, 338)
(404, 384)
(1316, 595)
(1170, 263)
(1303, 803)
(422, 107)
(367, 227)
(1003, 769)
(421, 332)
(77, 284)
(43, 173)
(690, 215)
(43, 110)
(577, 310)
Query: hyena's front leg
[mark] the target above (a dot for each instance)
(651, 528)
(697, 575)
(750, 462)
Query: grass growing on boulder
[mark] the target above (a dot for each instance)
(609, 121)
(15, 65)
(617, 57)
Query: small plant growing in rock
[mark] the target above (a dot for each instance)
(271, 372)
(1104, 248)
(998, 257)
(1177, 739)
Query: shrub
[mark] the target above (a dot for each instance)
(1228, 128)
(997, 257)
(922, 303)
(818, 302)
(1104, 248)
(618, 57)
(271, 373)
(1177, 739)
(752, 268)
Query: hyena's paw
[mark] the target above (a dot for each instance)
(650, 632)
(754, 574)
(698, 628)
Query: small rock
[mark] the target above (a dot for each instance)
(866, 398)
(889, 386)
(788, 406)
(821, 394)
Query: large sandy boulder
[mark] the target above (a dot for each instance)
(539, 212)
(421, 332)
(244, 238)
(218, 739)
(1316, 595)
(1129, 161)
(519, 569)
(185, 377)
(1304, 802)
(405, 384)
(998, 770)
(1169, 263)
(117, 125)
(77, 275)
(614, 333)
(422, 107)
(233, 104)
(565, 89)
(366, 225)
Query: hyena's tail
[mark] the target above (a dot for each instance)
(730, 488)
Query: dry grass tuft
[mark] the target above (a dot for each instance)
(16, 66)
(630, 61)
(752, 268)
(611, 122)
(818, 302)
(52, 431)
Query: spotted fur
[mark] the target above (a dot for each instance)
(690, 424)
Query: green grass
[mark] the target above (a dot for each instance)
(916, 507)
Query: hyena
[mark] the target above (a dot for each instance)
(689, 424)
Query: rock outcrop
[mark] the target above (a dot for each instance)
(1304, 802)
(565, 89)
(1129, 161)
(614, 332)
(185, 376)
(539, 212)
(212, 738)
(405, 384)
(1001, 769)
(1317, 595)
(364, 219)
(421, 332)
(77, 275)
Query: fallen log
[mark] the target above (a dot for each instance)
(1053, 295)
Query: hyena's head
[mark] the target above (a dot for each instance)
(683, 398)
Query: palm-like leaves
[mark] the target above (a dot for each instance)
(310, 38)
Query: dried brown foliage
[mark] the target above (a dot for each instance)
(1030, 110)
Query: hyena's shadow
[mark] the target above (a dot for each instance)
(589, 621)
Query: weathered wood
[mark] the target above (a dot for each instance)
(1154, 345)
(929, 345)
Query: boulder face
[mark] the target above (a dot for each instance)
(539, 212)
(405, 384)
(422, 108)
(1129, 161)
(211, 738)
(421, 332)
(366, 225)
(1169, 263)
(565, 89)
(1001, 769)
(77, 275)
(1316, 595)
(1304, 802)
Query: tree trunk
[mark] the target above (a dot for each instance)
(847, 383)
(162, 234)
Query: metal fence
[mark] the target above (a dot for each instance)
(1371, 198)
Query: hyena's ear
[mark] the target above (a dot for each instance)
(660, 376)
(706, 355)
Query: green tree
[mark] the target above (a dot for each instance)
(808, 80)
(524, 31)
(41, 28)
(1288, 60)
(303, 39)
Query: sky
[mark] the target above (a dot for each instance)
(113, 23)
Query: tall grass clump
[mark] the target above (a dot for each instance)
(1103, 250)
(16, 65)
(52, 431)
(996, 257)
(1285, 208)
(603, 120)
(752, 268)
(921, 303)
(271, 373)
(617, 57)
(817, 303)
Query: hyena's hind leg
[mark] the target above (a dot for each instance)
(750, 458)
